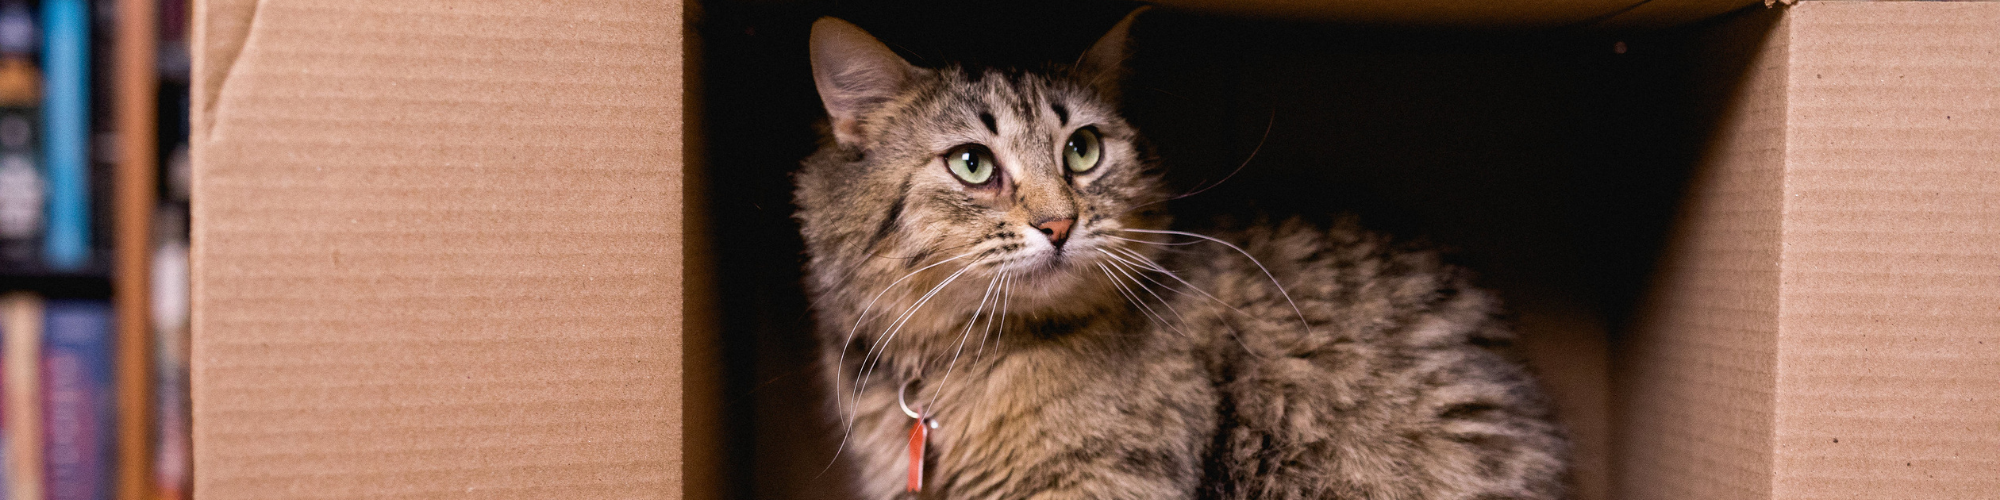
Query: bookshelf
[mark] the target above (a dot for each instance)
(127, 96)
(137, 85)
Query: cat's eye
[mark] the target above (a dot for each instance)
(1083, 151)
(972, 163)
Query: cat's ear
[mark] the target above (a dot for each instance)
(854, 73)
(1104, 64)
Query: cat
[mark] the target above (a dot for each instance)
(1005, 314)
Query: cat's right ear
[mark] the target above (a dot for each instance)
(1103, 66)
(854, 73)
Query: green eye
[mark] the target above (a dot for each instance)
(972, 163)
(1083, 151)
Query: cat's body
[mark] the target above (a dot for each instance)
(988, 249)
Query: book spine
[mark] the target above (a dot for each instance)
(173, 451)
(22, 195)
(131, 150)
(66, 132)
(23, 192)
(21, 346)
(78, 399)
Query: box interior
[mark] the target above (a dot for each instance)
(1823, 325)
(485, 249)
(1548, 160)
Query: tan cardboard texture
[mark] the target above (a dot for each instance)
(1514, 14)
(1695, 375)
(1827, 324)
(436, 249)
(1889, 325)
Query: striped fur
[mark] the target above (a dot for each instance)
(1127, 363)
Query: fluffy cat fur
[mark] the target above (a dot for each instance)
(1119, 362)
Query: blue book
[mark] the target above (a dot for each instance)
(78, 400)
(66, 132)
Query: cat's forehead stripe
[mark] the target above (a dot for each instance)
(1013, 90)
(985, 102)
(1025, 102)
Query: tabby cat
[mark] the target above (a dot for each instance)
(1006, 315)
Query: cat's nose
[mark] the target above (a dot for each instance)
(1056, 229)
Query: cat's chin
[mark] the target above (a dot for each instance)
(1048, 269)
(1058, 283)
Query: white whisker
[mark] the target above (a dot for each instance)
(857, 327)
(984, 400)
(1146, 266)
(1253, 260)
(1269, 123)
(961, 341)
(1150, 242)
(868, 370)
(1006, 292)
(1156, 296)
(848, 414)
(1133, 297)
(1155, 266)
(881, 346)
(1119, 285)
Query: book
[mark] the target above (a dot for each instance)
(79, 402)
(22, 189)
(21, 355)
(172, 448)
(66, 133)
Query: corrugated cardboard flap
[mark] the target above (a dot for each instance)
(1493, 14)
(1889, 338)
(437, 249)
(1827, 324)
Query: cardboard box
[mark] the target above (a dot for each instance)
(438, 249)
(1826, 322)
(463, 249)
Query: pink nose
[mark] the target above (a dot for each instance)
(1056, 229)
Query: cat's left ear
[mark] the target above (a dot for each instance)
(854, 73)
(1104, 64)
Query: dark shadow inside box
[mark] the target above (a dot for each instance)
(1549, 162)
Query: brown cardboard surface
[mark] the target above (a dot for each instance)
(1889, 333)
(438, 253)
(1827, 322)
(436, 249)
(703, 450)
(1697, 371)
(1565, 344)
(1512, 14)
(1655, 14)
